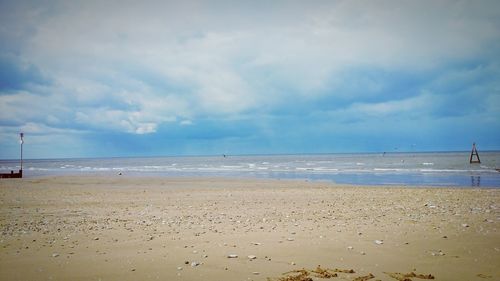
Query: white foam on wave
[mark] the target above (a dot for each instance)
(325, 169)
(303, 169)
(154, 167)
(390, 170)
(231, 166)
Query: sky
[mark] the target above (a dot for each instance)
(156, 78)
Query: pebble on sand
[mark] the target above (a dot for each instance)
(252, 257)
(232, 256)
(378, 242)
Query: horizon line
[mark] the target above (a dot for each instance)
(249, 154)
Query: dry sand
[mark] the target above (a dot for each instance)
(83, 228)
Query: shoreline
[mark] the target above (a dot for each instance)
(331, 183)
(135, 228)
(432, 169)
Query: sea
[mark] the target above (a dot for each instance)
(440, 169)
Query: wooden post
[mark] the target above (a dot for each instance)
(474, 153)
(22, 142)
(12, 174)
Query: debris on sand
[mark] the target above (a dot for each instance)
(300, 275)
(364, 278)
(406, 276)
(306, 275)
(324, 273)
(344, 270)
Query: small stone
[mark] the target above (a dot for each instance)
(465, 225)
(232, 256)
(55, 255)
(378, 242)
(179, 268)
(186, 262)
(292, 263)
(195, 263)
(96, 238)
(252, 257)
(362, 253)
(255, 273)
(290, 239)
(445, 236)
(350, 248)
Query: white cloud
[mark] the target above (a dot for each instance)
(413, 107)
(186, 123)
(225, 59)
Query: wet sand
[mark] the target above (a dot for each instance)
(122, 228)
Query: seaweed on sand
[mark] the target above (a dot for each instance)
(301, 275)
(407, 276)
(323, 273)
(364, 278)
(305, 275)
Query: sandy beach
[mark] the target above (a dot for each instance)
(133, 228)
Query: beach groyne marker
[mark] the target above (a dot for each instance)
(474, 153)
(21, 135)
(19, 174)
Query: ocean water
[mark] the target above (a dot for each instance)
(411, 169)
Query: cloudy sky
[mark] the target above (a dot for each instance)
(133, 78)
